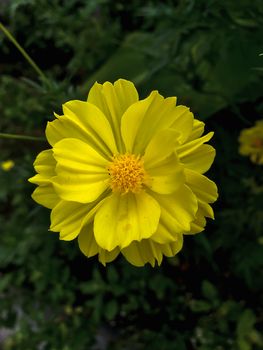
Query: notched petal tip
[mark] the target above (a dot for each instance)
(125, 218)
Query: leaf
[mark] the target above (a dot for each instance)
(244, 327)
(111, 309)
(127, 62)
(112, 275)
(209, 291)
(4, 282)
(200, 306)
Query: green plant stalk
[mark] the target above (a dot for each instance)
(21, 137)
(23, 52)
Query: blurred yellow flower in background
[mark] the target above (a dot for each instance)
(251, 143)
(7, 165)
(126, 175)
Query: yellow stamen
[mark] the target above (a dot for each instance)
(127, 173)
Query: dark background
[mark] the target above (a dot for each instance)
(208, 297)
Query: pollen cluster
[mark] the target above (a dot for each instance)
(127, 173)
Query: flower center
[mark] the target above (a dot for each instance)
(127, 173)
(258, 143)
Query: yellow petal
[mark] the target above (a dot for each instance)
(183, 122)
(46, 196)
(190, 147)
(178, 210)
(204, 189)
(68, 218)
(89, 246)
(87, 243)
(173, 248)
(200, 159)
(206, 192)
(160, 147)
(144, 119)
(45, 167)
(147, 251)
(198, 225)
(81, 171)
(197, 131)
(106, 256)
(167, 177)
(63, 128)
(86, 122)
(260, 159)
(161, 163)
(122, 219)
(45, 163)
(206, 209)
(39, 179)
(113, 100)
(141, 253)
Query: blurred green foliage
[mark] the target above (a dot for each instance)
(209, 297)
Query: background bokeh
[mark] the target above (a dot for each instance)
(209, 297)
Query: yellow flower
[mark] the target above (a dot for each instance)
(251, 142)
(7, 165)
(126, 175)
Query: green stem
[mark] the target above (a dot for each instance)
(21, 137)
(23, 52)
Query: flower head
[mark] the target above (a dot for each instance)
(251, 143)
(126, 175)
(7, 165)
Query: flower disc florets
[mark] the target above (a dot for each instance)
(125, 175)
